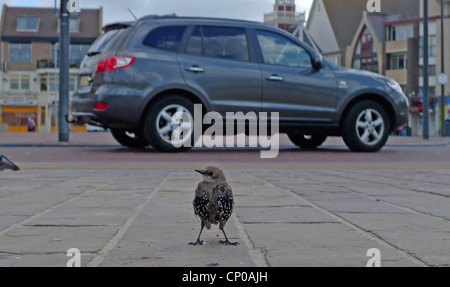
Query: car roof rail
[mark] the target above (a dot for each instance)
(117, 26)
(151, 17)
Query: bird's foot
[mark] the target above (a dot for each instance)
(227, 242)
(198, 242)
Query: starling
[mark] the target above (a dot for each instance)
(213, 202)
(5, 163)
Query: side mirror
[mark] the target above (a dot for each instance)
(317, 60)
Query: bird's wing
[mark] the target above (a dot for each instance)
(201, 204)
(5, 163)
(225, 202)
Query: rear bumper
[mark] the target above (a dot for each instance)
(123, 111)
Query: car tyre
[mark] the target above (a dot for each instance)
(305, 141)
(128, 140)
(159, 130)
(366, 127)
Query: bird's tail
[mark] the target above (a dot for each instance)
(8, 164)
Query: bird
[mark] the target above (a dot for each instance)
(213, 202)
(5, 163)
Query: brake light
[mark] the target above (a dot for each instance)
(99, 106)
(114, 63)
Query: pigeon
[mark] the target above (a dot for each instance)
(5, 163)
(213, 202)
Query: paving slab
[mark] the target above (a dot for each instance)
(421, 236)
(306, 245)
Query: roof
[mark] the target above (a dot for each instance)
(89, 25)
(346, 15)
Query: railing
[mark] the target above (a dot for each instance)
(48, 63)
(18, 97)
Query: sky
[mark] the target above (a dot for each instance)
(117, 10)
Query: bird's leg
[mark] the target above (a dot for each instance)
(227, 242)
(199, 242)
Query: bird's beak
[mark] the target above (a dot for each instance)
(202, 172)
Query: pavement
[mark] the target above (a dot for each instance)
(123, 207)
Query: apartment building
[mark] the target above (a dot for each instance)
(29, 86)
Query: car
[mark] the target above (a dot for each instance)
(137, 75)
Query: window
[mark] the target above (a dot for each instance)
(219, 42)
(20, 52)
(77, 52)
(279, 50)
(431, 46)
(365, 55)
(165, 38)
(27, 23)
(195, 45)
(431, 70)
(73, 83)
(43, 83)
(432, 51)
(19, 82)
(74, 25)
(401, 32)
(398, 62)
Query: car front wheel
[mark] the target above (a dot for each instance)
(366, 127)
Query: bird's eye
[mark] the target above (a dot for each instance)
(210, 174)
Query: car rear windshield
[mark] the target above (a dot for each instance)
(102, 40)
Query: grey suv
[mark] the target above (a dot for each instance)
(137, 75)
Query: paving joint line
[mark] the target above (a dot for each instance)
(379, 240)
(43, 212)
(112, 243)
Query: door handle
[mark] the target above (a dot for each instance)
(275, 78)
(195, 69)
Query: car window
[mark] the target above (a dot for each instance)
(195, 44)
(279, 50)
(165, 38)
(219, 42)
(102, 40)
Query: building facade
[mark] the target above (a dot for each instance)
(284, 15)
(29, 86)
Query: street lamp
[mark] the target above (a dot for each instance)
(426, 101)
(443, 73)
(64, 39)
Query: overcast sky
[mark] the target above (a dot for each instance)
(116, 10)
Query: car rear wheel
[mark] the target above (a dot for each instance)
(128, 139)
(307, 141)
(169, 124)
(366, 127)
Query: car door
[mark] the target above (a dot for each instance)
(216, 62)
(291, 86)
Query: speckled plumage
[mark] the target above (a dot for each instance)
(213, 202)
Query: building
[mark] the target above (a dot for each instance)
(389, 43)
(284, 15)
(333, 24)
(29, 61)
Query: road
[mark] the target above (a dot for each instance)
(123, 207)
